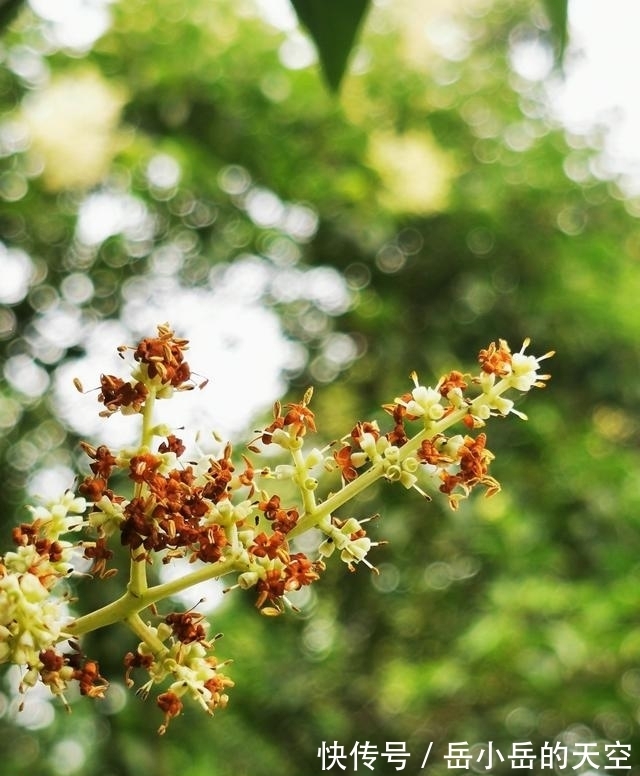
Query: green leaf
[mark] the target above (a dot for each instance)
(333, 26)
(557, 11)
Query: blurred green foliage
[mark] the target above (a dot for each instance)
(333, 26)
(457, 211)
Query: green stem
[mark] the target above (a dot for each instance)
(313, 517)
(130, 604)
(203, 574)
(116, 611)
(147, 418)
(138, 566)
(144, 633)
(308, 496)
(139, 596)
(137, 575)
(365, 480)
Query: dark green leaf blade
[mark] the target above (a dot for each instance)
(558, 12)
(333, 26)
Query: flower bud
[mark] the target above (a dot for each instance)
(32, 589)
(393, 472)
(392, 453)
(356, 550)
(368, 445)
(248, 579)
(327, 548)
(408, 480)
(314, 458)
(410, 464)
(310, 483)
(284, 471)
(359, 459)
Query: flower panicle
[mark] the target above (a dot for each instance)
(159, 369)
(33, 615)
(185, 659)
(227, 514)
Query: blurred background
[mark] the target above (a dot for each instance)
(164, 160)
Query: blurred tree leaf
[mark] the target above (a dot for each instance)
(557, 11)
(8, 9)
(333, 25)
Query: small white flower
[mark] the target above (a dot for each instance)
(452, 446)
(284, 471)
(314, 458)
(481, 407)
(455, 397)
(425, 402)
(32, 589)
(248, 579)
(282, 438)
(524, 369)
(30, 620)
(368, 445)
(327, 548)
(359, 459)
(408, 479)
(108, 515)
(20, 561)
(60, 516)
(391, 452)
(524, 372)
(356, 550)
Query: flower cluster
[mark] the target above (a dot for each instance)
(186, 660)
(224, 513)
(32, 617)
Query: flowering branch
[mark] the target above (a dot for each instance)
(216, 511)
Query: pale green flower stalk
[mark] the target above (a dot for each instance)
(229, 515)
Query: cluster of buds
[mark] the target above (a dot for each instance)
(185, 660)
(33, 614)
(222, 513)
